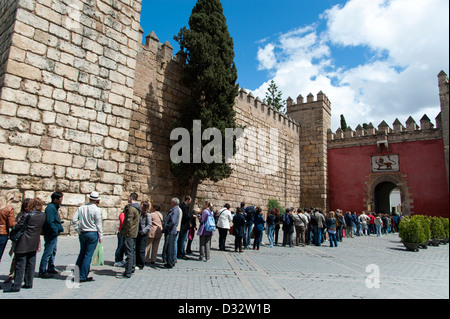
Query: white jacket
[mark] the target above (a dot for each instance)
(224, 219)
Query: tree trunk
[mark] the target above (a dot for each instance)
(193, 195)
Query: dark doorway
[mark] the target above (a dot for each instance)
(382, 197)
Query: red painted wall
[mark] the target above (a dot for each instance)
(422, 161)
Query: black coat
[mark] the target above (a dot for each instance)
(29, 241)
(239, 225)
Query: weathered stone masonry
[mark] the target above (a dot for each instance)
(264, 169)
(85, 106)
(66, 99)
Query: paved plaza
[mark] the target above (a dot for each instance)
(360, 268)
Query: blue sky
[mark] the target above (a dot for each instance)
(375, 60)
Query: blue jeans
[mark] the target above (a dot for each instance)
(248, 230)
(270, 231)
(258, 238)
(182, 239)
(378, 230)
(88, 243)
(358, 229)
(333, 239)
(317, 236)
(118, 256)
(3, 242)
(169, 249)
(175, 247)
(48, 256)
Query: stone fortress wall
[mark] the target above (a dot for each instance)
(85, 106)
(66, 100)
(266, 167)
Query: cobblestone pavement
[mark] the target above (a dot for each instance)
(360, 268)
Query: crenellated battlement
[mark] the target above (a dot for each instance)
(321, 97)
(271, 112)
(411, 131)
(322, 101)
(162, 51)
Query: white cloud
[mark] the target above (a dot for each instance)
(408, 45)
(266, 57)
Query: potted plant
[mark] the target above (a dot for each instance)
(411, 233)
(445, 225)
(425, 223)
(437, 231)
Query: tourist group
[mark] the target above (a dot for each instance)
(141, 227)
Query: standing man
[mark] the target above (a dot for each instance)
(288, 229)
(129, 232)
(87, 222)
(170, 232)
(51, 229)
(318, 229)
(184, 227)
(223, 225)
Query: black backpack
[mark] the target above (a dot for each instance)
(314, 222)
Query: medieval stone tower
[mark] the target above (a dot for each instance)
(443, 96)
(314, 117)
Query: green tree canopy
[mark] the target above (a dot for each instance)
(211, 75)
(274, 97)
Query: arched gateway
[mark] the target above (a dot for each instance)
(379, 188)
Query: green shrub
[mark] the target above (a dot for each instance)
(273, 203)
(445, 225)
(437, 229)
(425, 223)
(411, 231)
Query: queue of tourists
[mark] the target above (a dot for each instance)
(141, 227)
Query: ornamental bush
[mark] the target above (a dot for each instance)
(425, 223)
(411, 231)
(437, 229)
(445, 225)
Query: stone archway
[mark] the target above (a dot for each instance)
(382, 197)
(378, 184)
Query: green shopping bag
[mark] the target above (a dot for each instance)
(98, 257)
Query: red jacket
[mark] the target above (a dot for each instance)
(121, 218)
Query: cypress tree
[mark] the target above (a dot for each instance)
(210, 73)
(343, 123)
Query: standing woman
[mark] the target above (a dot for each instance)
(205, 236)
(141, 240)
(277, 224)
(27, 246)
(270, 227)
(378, 223)
(154, 235)
(258, 228)
(25, 209)
(331, 228)
(239, 229)
(192, 228)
